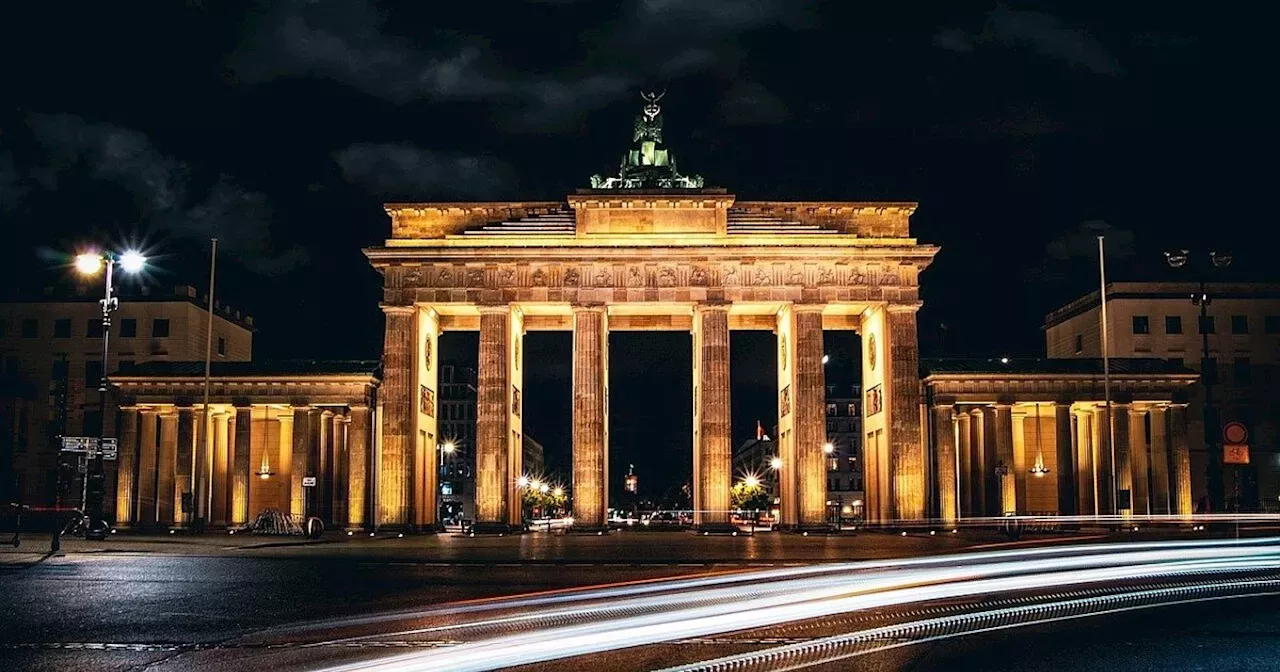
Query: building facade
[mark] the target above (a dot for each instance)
(51, 358)
(1034, 437)
(1242, 367)
(844, 432)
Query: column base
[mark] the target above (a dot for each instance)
(496, 528)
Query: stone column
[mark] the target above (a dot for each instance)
(1138, 455)
(498, 408)
(184, 469)
(903, 401)
(980, 474)
(165, 465)
(810, 417)
(338, 470)
(1064, 443)
(221, 462)
(713, 458)
(360, 453)
(1124, 457)
(426, 459)
(301, 426)
(944, 441)
(785, 442)
(1020, 466)
(1160, 499)
(316, 424)
(1104, 469)
(991, 483)
(241, 466)
(395, 396)
(1180, 460)
(590, 419)
(1086, 465)
(1004, 458)
(284, 458)
(322, 494)
(126, 471)
(148, 449)
(964, 479)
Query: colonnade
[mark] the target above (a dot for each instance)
(258, 456)
(1057, 457)
(409, 439)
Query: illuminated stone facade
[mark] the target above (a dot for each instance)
(1031, 437)
(694, 260)
(268, 428)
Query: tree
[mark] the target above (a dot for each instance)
(749, 496)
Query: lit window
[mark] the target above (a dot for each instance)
(831, 409)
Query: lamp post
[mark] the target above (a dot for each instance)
(89, 264)
(1202, 299)
(446, 448)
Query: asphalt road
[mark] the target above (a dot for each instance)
(226, 609)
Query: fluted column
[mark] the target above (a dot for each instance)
(1180, 460)
(1086, 465)
(903, 399)
(284, 458)
(1124, 457)
(166, 462)
(1004, 458)
(184, 468)
(811, 419)
(498, 427)
(148, 448)
(590, 419)
(785, 476)
(323, 492)
(1139, 461)
(241, 466)
(944, 432)
(964, 478)
(713, 458)
(1064, 443)
(338, 470)
(221, 469)
(126, 470)
(1104, 469)
(1160, 499)
(360, 452)
(1020, 466)
(301, 428)
(395, 397)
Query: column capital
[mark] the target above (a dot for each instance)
(909, 307)
(392, 309)
(808, 307)
(588, 307)
(495, 308)
(706, 306)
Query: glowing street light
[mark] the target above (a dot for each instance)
(448, 447)
(825, 359)
(523, 481)
(775, 463)
(558, 492)
(751, 481)
(89, 264)
(828, 447)
(544, 488)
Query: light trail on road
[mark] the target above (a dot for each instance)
(549, 627)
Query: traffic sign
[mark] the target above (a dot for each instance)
(1235, 433)
(308, 481)
(1235, 453)
(79, 444)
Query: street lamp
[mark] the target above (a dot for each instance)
(828, 447)
(751, 481)
(89, 264)
(446, 448)
(775, 463)
(1202, 299)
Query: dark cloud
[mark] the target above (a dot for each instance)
(1044, 33)
(403, 171)
(165, 197)
(751, 104)
(1077, 249)
(349, 42)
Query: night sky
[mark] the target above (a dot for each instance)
(280, 128)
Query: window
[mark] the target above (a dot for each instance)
(1206, 324)
(1242, 371)
(1239, 324)
(833, 464)
(1141, 324)
(160, 328)
(30, 328)
(831, 409)
(92, 373)
(125, 365)
(128, 328)
(853, 410)
(59, 370)
(222, 347)
(1271, 324)
(92, 423)
(62, 328)
(1079, 344)
(1173, 324)
(93, 329)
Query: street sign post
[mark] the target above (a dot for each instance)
(308, 481)
(1235, 443)
(91, 446)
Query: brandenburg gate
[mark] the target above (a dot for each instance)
(650, 249)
